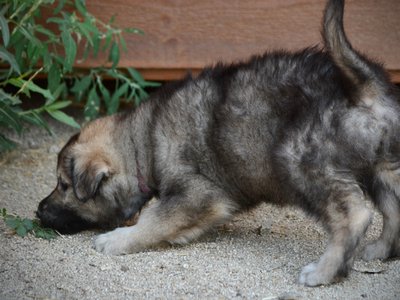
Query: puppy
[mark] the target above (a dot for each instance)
(317, 129)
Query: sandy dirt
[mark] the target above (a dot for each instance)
(256, 256)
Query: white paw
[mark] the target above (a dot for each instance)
(115, 242)
(307, 275)
(314, 275)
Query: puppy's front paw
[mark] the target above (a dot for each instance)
(311, 276)
(116, 242)
(308, 275)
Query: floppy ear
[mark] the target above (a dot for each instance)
(87, 176)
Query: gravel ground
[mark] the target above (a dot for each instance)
(256, 256)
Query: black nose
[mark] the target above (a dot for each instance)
(41, 208)
(63, 219)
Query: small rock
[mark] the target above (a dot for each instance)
(124, 268)
(105, 268)
(289, 296)
(33, 144)
(54, 149)
(370, 267)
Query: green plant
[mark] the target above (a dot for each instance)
(24, 226)
(33, 45)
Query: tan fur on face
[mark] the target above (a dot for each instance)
(98, 130)
(94, 148)
(92, 153)
(97, 160)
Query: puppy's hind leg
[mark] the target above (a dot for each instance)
(346, 218)
(386, 198)
(176, 218)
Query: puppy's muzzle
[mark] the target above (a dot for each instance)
(61, 218)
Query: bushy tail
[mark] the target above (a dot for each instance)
(355, 66)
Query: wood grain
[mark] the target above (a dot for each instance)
(186, 35)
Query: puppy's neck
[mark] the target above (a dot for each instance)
(139, 123)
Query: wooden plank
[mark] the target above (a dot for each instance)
(395, 76)
(190, 34)
(174, 74)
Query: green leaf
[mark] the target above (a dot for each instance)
(5, 8)
(140, 80)
(143, 94)
(112, 20)
(104, 91)
(4, 30)
(80, 6)
(151, 84)
(47, 59)
(132, 95)
(96, 41)
(81, 86)
(34, 53)
(10, 118)
(21, 230)
(64, 118)
(123, 43)
(49, 34)
(53, 77)
(56, 20)
(115, 74)
(24, 226)
(19, 82)
(6, 144)
(115, 99)
(114, 55)
(17, 38)
(70, 50)
(86, 32)
(28, 34)
(9, 99)
(61, 90)
(19, 51)
(136, 75)
(34, 118)
(12, 222)
(29, 85)
(8, 57)
(35, 88)
(44, 233)
(92, 106)
(60, 6)
(28, 224)
(57, 105)
(108, 39)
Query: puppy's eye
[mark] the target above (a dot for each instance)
(63, 185)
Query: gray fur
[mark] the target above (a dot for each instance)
(315, 129)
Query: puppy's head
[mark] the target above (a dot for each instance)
(94, 188)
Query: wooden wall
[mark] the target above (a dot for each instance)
(186, 35)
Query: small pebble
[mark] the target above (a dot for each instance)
(54, 149)
(124, 269)
(33, 144)
(290, 296)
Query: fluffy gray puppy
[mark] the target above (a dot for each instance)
(318, 129)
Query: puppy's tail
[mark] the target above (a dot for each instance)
(363, 73)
